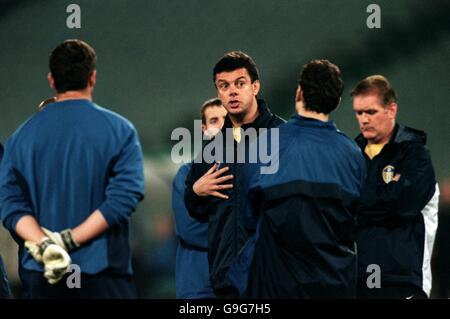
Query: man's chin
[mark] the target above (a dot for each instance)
(236, 110)
(368, 135)
(211, 132)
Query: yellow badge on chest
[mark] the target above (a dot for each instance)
(388, 174)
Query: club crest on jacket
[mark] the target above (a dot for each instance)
(388, 173)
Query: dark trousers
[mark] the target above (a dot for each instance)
(103, 285)
(226, 293)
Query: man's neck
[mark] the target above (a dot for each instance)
(300, 108)
(237, 120)
(74, 95)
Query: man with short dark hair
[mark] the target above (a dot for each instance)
(70, 178)
(192, 270)
(304, 213)
(397, 216)
(207, 198)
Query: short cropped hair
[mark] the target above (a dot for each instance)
(235, 60)
(321, 85)
(71, 64)
(376, 84)
(209, 103)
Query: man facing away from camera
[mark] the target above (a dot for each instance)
(70, 178)
(304, 214)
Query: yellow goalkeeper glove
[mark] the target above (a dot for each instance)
(56, 260)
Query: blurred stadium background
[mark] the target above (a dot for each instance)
(155, 61)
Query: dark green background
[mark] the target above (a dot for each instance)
(155, 60)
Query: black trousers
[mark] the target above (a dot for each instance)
(227, 293)
(103, 285)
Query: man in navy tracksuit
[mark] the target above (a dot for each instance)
(192, 270)
(209, 195)
(75, 169)
(397, 216)
(304, 245)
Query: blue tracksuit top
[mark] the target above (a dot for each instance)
(192, 270)
(303, 214)
(62, 164)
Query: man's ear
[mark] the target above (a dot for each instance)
(299, 94)
(203, 128)
(256, 86)
(92, 78)
(51, 80)
(393, 110)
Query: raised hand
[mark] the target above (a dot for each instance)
(210, 182)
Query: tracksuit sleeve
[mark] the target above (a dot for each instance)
(125, 187)
(197, 206)
(13, 193)
(407, 197)
(187, 228)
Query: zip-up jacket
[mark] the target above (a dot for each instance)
(397, 221)
(226, 232)
(304, 245)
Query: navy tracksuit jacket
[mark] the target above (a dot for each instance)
(305, 215)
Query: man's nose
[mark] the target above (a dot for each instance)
(364, 118)
(233, 91)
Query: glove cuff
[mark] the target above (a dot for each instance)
(45, 242)
(68, 240)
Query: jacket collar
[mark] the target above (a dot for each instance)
(307, 121)
(401, 134)
(264, 116)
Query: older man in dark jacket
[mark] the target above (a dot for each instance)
(398, 209)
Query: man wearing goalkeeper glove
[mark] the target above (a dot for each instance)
(70, 179)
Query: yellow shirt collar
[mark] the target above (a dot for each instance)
(237, 134)
(373, 150)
